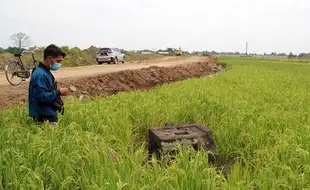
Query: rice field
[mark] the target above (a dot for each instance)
(258, 109)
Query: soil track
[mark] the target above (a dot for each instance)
(105, 80)
(78, 72)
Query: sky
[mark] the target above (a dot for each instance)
(220, 25)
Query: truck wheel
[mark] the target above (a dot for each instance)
(114, 60)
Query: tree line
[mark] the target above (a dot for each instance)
(21, 41)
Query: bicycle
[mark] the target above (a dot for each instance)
(21, 71)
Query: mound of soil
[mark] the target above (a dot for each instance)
(127, 80)
(145, 78)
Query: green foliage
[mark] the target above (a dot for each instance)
(75, 56)
(258, 108)
(3, 59)
(291, 55)
(78, 57)
(14, 50)
(134, 56)
(75, 51)
(2, 50)
(91, 52)
(282, 54)
(65, 49)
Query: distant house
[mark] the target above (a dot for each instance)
(146, 52)
(163, 52)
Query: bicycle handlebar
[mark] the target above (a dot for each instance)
(32, 52)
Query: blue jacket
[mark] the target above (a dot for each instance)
(42, 93)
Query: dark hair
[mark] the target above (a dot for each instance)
(53, 51)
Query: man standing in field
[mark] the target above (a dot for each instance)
(43, 97)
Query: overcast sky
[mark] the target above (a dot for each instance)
(221, 25)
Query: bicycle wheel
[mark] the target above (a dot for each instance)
(10, 72)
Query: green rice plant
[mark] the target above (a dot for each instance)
(258, 110)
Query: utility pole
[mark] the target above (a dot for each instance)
(246, 48)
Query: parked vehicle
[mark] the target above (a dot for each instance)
(110, 55)
(16, 71)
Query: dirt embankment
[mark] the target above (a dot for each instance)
(128, 80)
(145, 78)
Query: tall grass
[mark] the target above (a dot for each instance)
(258, 109)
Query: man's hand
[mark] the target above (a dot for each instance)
(64, 91)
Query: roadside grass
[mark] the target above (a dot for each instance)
(3, 58)
(258, 109)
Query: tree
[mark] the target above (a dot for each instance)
(291, 55)
(21, 40)
(14, 50)
(171, 50)
(213, 52)
(2, 50)
(302, 55)
(65, 49)
(282, 54)
(273, 53)
(91, 51)
(75, 51)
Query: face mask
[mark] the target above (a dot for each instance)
(55, 66)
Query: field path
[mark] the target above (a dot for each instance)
(78, 72)
(10, 95)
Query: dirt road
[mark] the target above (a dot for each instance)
(101, 79)
(77, 72)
